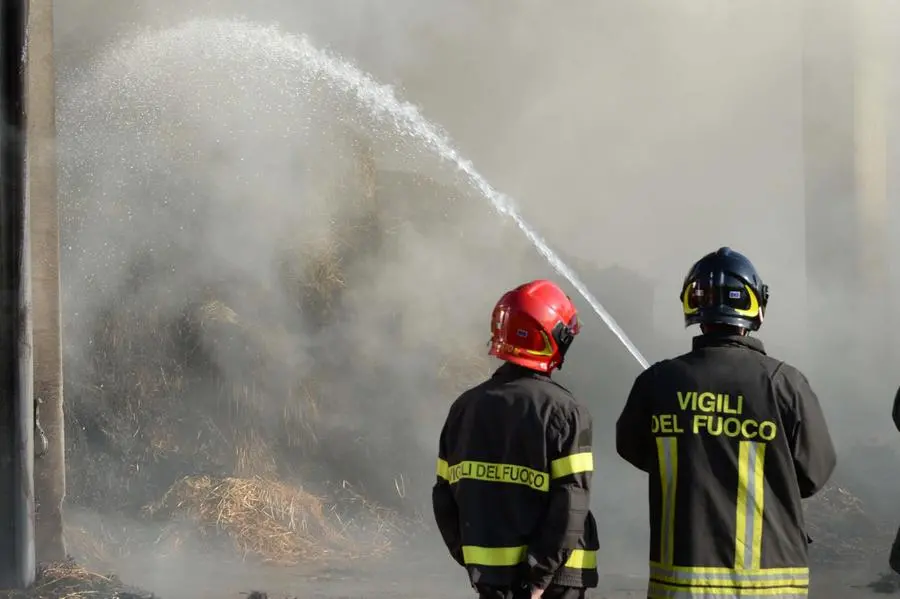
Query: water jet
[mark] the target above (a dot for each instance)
(299, 66)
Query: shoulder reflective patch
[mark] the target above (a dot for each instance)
(572, 464)
(490, 472)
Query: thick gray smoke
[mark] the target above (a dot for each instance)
(634, 134)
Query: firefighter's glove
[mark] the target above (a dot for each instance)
(527, 591)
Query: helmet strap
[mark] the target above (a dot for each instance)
(563, 336)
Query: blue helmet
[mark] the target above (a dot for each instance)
(723, 287)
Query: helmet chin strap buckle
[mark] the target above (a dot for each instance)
(563, 335)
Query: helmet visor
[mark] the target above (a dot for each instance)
(729, 292)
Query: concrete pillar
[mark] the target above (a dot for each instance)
(828, 148)
(870, 118)
(50, 468)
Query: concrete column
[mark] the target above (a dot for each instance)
(828, 148)
(870, 118)
(50, 468)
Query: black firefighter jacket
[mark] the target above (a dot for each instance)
(732, 440)
(895, 548)
(896, 412)
(512, 494)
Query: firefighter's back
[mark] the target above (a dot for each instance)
(732, 441)
(506, 431)
(499, 433)
(725, 493)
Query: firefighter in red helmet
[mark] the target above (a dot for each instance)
(512, 497)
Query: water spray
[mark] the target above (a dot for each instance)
(380, 100)
(226, 37)
(563, 269)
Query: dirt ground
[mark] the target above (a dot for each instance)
(416, 573)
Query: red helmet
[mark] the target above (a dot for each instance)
(533, 326)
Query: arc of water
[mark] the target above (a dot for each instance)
(381, 100)
(563, 269)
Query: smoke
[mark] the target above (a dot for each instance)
(634, 134)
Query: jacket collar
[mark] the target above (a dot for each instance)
(719, 340)
(510, 371)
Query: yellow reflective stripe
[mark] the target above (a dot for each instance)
(667, 452)
(752, 311)
(493, 556)
(572, 464)
(497, 473)
(726, 570)
(541, 353)
(658, 590)
(750, 497)
(740, 527)
(512, 556)
(729, 577)
(759, 496)
(582, 559)
(442, 469)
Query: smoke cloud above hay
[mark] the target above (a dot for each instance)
(210, 194)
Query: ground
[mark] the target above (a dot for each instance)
(424, 571)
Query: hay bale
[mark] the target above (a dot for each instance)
(214, 311)
(370, 524)
(262, 518)
(70, 581)
(313, 276)
(253, 455)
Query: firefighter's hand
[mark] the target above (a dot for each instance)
(526, 591)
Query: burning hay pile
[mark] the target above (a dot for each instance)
(67, 580)
(203, 398)
(261, 518)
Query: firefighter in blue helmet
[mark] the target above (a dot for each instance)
(732, 440)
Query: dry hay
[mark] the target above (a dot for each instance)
(88, 547)
(262, 518)
(313, 275)
(370, 524)
(210, 385)
(68, 580)
(99, 542)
